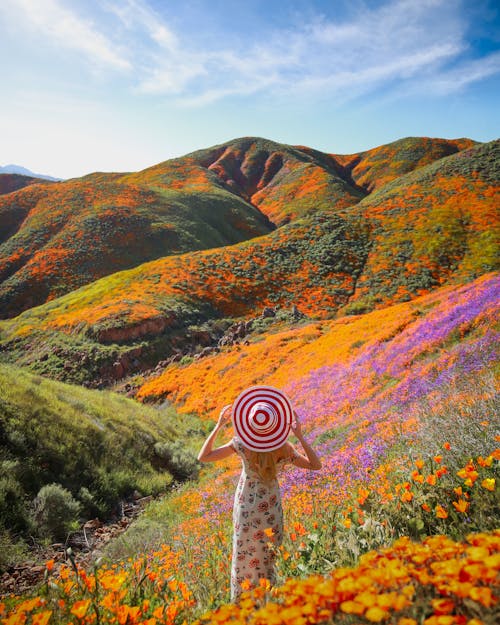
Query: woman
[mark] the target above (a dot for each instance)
(257, 511)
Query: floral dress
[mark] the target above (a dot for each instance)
(257, 509)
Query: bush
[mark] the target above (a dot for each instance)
(13, 511)
(180, 462)
(55, 511)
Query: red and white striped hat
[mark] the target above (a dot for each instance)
(262, 418)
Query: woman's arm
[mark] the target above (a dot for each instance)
(207, 454)
(312, 460)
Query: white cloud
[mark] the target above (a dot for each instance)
(409, 42)
(465, 74)
(411, 45)
(65, 28)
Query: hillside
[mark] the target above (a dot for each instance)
(434, 225)
(100, 447)
(398, 403)
(56, 239)
(374, 168)
(13, 182)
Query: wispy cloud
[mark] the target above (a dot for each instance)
(409, 45)
(65, 28)
(403, 41)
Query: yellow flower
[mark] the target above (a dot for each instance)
(482, 595)
(352, 607)
(488, 483)
(376, 614)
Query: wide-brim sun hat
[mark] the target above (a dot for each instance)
(262, 418)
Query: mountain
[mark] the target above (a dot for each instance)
(57, 238)
(435, 225)
(22, 171)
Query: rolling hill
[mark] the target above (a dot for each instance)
(57, 238)
(13, 182)
(428, 227)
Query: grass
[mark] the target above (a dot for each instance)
(98, 445)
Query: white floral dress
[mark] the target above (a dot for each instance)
(257, 507)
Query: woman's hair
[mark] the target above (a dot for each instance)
(264, 463)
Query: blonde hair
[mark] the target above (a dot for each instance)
(264, 463)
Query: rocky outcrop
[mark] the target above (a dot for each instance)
(132, 332)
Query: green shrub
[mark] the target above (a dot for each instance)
(180, 462)
(13, 511)
(55, 511)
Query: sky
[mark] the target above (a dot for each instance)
(119, 85)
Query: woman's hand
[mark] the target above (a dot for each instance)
(312, 460)
(296, 426)
(224, 416)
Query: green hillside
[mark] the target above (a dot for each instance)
(99, 446)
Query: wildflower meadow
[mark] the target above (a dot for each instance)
(400, 526)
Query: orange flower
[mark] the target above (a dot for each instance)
(441, 512)
(269, 532)
(438, 459)
(431, 479)
(406, 496)
(426, 507)
(443, 606)
(417, 477)
(485, 462)
(447, 446)
(42, 618)
(419, 464)
(300, 529)
(80, 608)
(49, 565)
(461, 505)
(362, 495)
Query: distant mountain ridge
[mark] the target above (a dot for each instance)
(18, 169)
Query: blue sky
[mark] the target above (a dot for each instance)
(118, 85)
